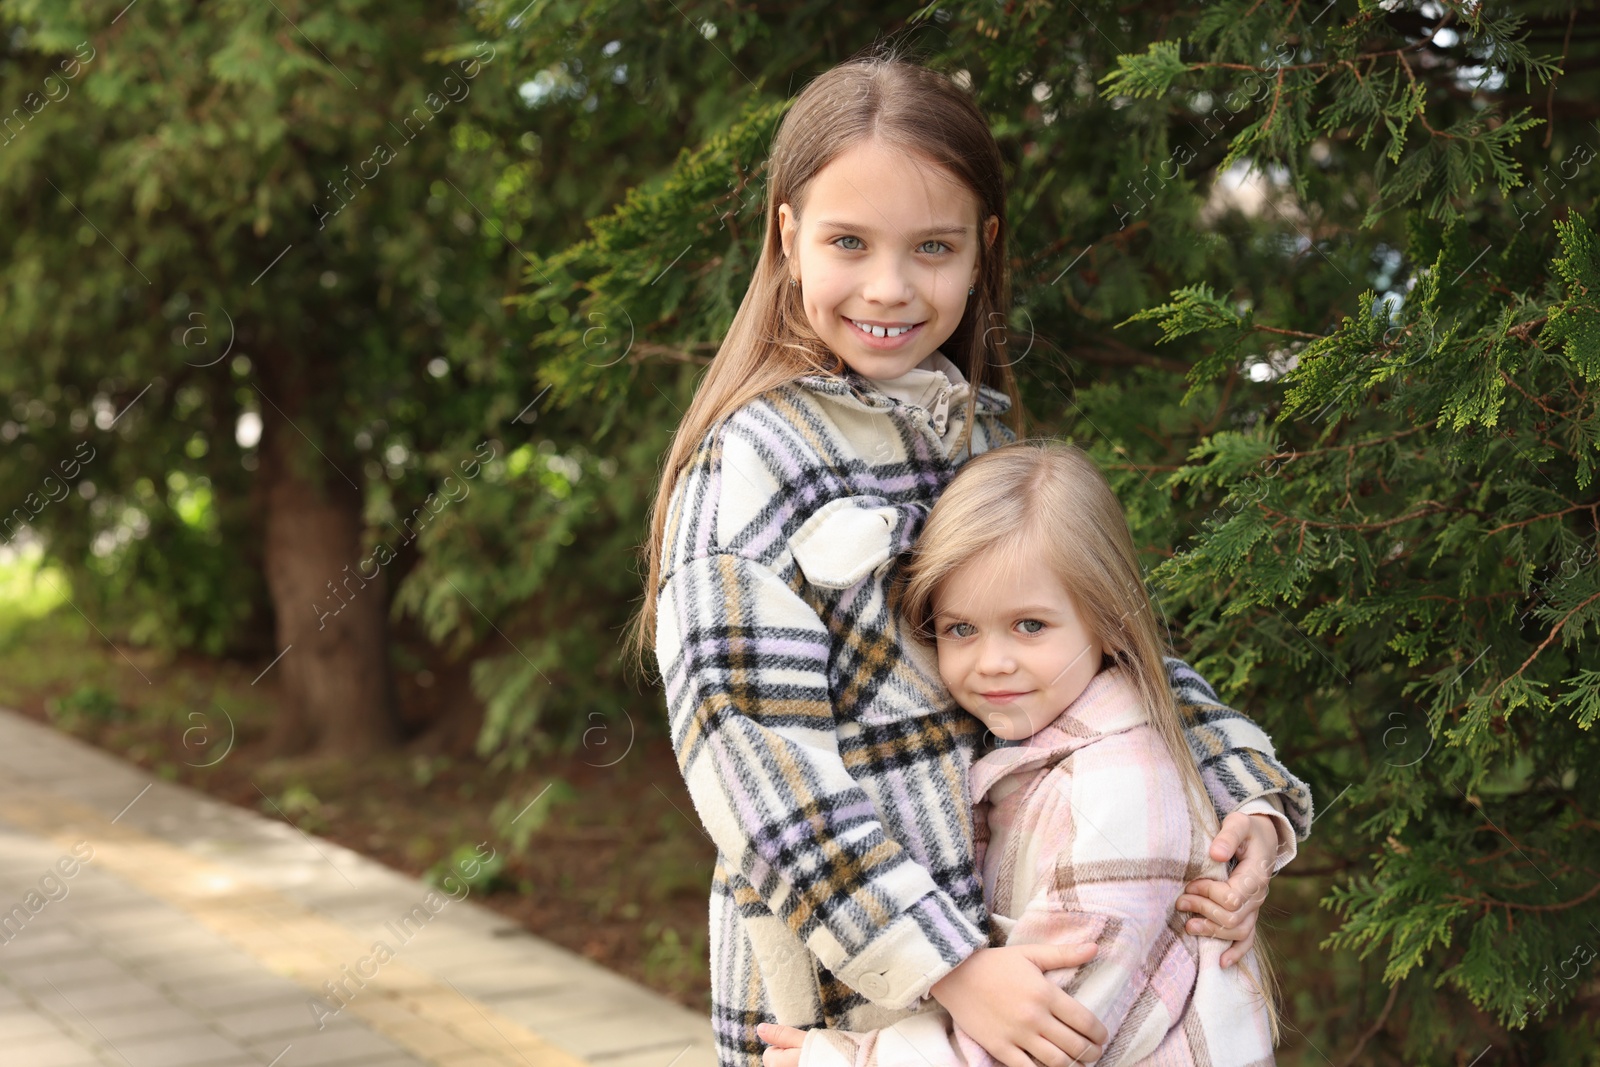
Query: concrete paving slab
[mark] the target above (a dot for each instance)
(191, 933)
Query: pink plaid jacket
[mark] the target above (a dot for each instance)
(1084, 835)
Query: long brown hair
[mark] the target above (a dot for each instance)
(906, 107)
(1046, 502)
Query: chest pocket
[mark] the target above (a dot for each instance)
(852, 537)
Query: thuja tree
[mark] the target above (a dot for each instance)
(1401, 550)
(1315, 284)
(258, 217)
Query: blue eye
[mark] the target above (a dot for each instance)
(941, 244)
(960, 629)
(1036, 625)
(848, 237)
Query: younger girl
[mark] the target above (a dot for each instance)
(824, 757)
(1090, 816)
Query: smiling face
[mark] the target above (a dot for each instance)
(1013, 648)
(885, 254)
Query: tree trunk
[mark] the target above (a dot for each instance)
(328, 596)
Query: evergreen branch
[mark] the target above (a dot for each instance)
(1551, 636)
(1591, 508)
(1272, 112)
(1421, 114)
(1574, 324)
(1150, 73)
(1536, 401)
(674, 353)
(1110, 352)
(1352, 446)
(1377, 1024)
(1261, 328)
(1511, 905)
(1550, 96)
(1323, 65)
(1435, 509)
(1583, 697)
(1485, 597)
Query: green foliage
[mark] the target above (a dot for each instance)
(1349, 409)
(1316, 284)
(88, 704)
(184, 150)
(516, 820)
(298, 805)
(1574, 324)
(669, 955)
(605, 296)
(1427, 511)
(532, 574)
(476, 867)
(1421, 555)
(30, 590)
(1148, 74)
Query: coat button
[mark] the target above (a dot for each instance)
(874, 985)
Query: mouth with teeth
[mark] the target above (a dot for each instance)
(885, 332)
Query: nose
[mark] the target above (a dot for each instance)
(994, 655)
(888, 282)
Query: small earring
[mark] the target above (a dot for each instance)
(971, 289)
(793, 282)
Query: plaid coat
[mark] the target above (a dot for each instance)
(825, 758)
(1084, 835)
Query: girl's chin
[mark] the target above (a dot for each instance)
(1003, 726)
(881, 366)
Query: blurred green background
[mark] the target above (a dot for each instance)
(341, 343)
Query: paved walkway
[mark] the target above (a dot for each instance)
(145, 925)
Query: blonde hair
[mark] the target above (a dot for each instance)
(904, 106)
(1047, 501)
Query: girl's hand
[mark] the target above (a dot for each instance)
(783, 1045)
(1003, 1001)
(1228, 910)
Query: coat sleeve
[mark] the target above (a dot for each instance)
(745, 661)
(1113, 852)
(1235, 756)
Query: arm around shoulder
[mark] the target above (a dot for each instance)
(1236, 757)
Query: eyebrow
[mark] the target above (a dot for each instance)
(1030, 611)
(937, 231)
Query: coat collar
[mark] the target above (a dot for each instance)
(1109, 705)
(854, 390)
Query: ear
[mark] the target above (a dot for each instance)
(788, 228)
(991, 230)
